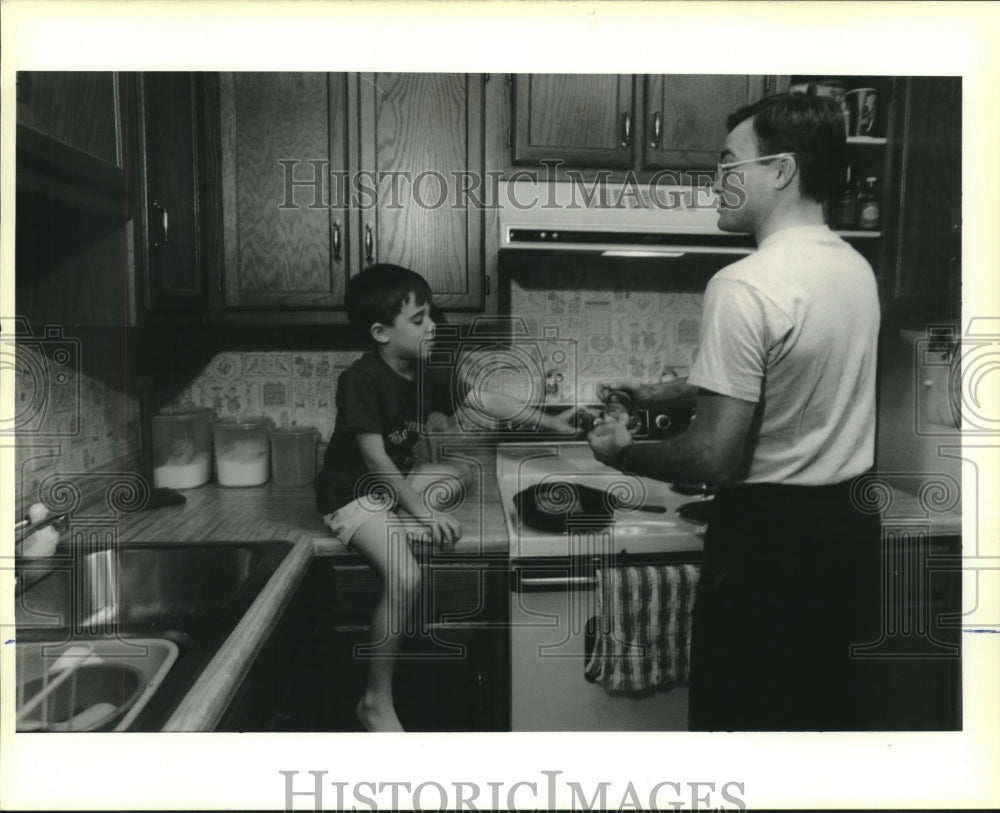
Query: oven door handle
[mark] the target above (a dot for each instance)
(534, 584)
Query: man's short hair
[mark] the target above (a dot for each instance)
(377, 294)
(812, 127)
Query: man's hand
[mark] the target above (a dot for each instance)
(608, 439)
(670, 389)
(633, 386)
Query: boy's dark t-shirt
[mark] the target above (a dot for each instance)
(372, 398)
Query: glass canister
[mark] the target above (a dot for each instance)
(182, 447)
(293, 455)
(242, 451)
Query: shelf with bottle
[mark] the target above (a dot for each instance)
(857, 209)
(857, 234)
(867, 141)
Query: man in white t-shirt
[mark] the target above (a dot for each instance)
(785, 419)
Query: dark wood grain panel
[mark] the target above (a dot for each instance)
(280, 117)
(426, 137)
(79, 108)
(576, 119)
(457, 594)
(279, 250)
(577, 110)
(212, 208)
(171, 226)
(71, 268)
(693, 110)
(929, 257)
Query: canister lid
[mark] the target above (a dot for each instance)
(294, 430)
(249, 421)
(183, 413)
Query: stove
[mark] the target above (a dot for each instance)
(633, 532)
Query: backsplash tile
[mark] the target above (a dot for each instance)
(589, 327)
(640, 324)
(292, 389)
(67, 426)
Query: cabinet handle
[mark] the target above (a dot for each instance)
(164, 223)
(336, 241)
(657, 128)
(369, 245)
(626, 129)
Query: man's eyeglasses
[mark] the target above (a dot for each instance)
(721, 169)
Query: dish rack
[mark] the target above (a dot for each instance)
(88, 685)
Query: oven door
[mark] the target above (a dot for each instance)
(551, 609)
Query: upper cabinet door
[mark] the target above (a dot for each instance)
(421, 144)
(170, 248)
(79, 108)
(284, 135)
(577, 119)
(686, 117)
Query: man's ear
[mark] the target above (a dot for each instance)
(787, 172)
(379, 333)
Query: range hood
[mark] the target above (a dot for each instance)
(621, 220)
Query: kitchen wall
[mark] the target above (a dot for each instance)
(589, 320)
(638, 320)
(70, 425)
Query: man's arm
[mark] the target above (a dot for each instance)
(710, 450)
(500, 406)
(673, 391)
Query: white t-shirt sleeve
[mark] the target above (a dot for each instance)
(740, 329)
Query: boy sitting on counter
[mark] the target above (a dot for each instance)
(371, 496)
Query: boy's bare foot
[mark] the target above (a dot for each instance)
(377, 716)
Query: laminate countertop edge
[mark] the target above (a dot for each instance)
(205, 703)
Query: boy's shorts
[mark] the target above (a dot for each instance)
(345, 521)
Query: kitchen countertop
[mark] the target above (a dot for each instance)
(270, 512)
(288, 513)
(214, 513)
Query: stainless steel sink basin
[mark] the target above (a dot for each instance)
(146, 586)
(137, 623)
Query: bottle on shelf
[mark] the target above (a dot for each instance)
(869, 209)
(845, 214)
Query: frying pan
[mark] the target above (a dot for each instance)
(552, 505)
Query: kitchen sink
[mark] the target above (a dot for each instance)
(113, 638)
(97, 685)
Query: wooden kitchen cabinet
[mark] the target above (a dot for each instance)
(453, 673)
(579, 119)
(324, 174)
(928, 265)
(685, 124)
(424, 132)
(78, 108)
(282, 135)
(617, 121)
(168, 244)
(72, 261)
(915, 667)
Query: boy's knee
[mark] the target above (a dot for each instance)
(408, 583)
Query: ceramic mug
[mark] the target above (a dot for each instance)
(863, 106)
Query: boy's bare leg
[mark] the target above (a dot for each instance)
(382, 541)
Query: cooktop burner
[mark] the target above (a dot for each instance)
(693, 489)
(633, 527)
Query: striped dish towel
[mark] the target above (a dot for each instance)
(643, 638)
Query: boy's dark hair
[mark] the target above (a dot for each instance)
(377, 294)
(810, 126)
